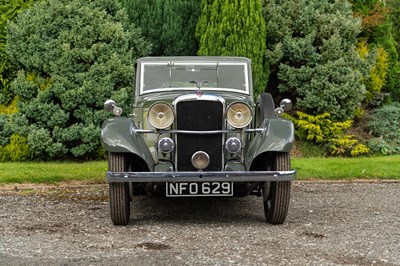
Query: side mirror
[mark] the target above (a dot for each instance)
(286, 105)
(109, 105)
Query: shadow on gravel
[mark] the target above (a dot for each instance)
(198, 210)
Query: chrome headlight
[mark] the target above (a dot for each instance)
(239, 115)
(160, 115)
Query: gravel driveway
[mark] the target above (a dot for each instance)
(346, 223)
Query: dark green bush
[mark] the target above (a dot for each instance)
(73, 55)
(312, 57)
(384, 125)
(235, 28)
(168, 24)
(8, 10)
(5, 129)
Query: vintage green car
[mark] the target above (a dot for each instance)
(196, 130)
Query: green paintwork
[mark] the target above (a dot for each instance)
(117, 136)
(164, 166)
(117, 133)
(278, 136)
(234, 166)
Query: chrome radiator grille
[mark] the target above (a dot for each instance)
(199, 115)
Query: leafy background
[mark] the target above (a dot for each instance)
(337, 60)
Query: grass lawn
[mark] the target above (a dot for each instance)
(52, 172)
(385, 167)
(308, 169)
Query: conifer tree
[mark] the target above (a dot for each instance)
(378, 32)
(312, 55)
(394, 7)
(8, 10)
(72, 55)
(234, 28)
(168, 24)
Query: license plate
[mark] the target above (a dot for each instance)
(187, 189)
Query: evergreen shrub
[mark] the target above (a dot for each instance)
(375, 80)
(17, 150)
(8, 10)
(312, 56)
(168, 24)
(329, 135)
(72, 55)
(384, 125)
(235, 28)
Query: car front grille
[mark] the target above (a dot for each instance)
(199, 115)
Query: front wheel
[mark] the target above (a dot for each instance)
(120, 208)
(276, 195)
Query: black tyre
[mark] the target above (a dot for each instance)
(119, 192)
(265, 108)
(276, 195)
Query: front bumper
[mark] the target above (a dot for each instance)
(250, 176)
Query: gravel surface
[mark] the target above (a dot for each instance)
(330, 223)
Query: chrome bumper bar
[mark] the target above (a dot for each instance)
(251, 176)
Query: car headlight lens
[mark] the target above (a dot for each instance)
(160, 115)
(239, 115)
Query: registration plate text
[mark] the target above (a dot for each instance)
(187, 189)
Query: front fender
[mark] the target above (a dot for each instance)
(117, 136)
(277, 136)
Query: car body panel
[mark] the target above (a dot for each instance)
(117, 136)
(134, 135)
(278, 136)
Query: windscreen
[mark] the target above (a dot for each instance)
(209, 76)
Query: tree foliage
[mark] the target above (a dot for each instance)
(8, 10)
(234, 28)
(378, 31)
(375, 81)
(384, 125)
(328, 134)
(312, 55)
(73, 55)
(169, 24)
(17, 150)
(394, 8)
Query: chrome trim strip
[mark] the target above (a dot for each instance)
(176, 131)
(198, 97)
(250, 176)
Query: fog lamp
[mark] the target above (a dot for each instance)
(238, 115)
(200, 160)
(160, 115)
(166, 145)
(233, 145)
